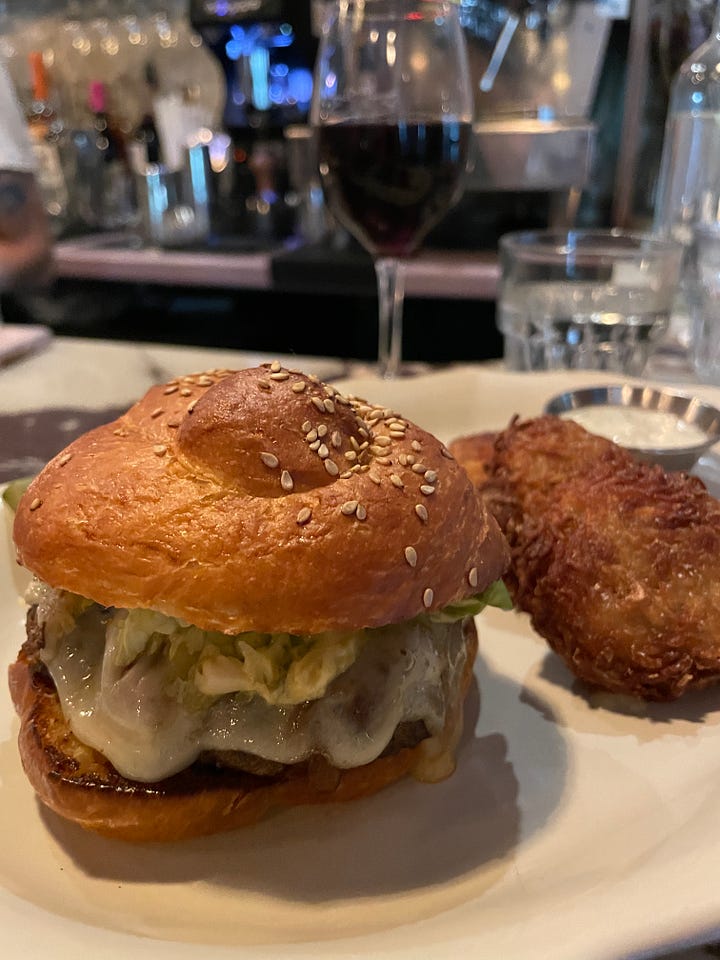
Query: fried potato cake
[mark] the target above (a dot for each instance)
(617, 562)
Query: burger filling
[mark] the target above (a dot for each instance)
(153, 694)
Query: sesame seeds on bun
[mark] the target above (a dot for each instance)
(260, 499)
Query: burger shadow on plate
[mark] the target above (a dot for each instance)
(406, 837)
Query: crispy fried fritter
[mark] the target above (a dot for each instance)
(616, 561)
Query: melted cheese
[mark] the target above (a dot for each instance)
(402, 673)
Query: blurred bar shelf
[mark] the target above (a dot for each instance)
(433, 274)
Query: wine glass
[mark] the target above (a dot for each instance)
(392, 113)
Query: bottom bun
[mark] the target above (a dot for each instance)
(79, 784)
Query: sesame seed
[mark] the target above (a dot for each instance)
(323, 451)
(396, 481)
(446, 453)
(318, 404)
(304, 516)
(205, 381)
(322, 430)
(329, 405)
(37, 502)
(349, 508)
(473, 577)
(374, 479)
(411, 556)
(332, 468)
(431, 476)
(299, 387)
(156, 413)
(346, 474)
(264, 385)
(428, 597)
(120, 432)
(427, 489)
(270, 460)
(311, 436)
(385, 461)
(276, 366)
(418, 468)
(336, 439)
(186, 392)
(421, 511)
(191, 406)
(361, 512)
(306, 426)
(173, 424)
(160, 450)
(168, 390)
(350, 455)
(65, 458)
(280, 376)
(286, 481)
(397, 434)
(383, 441)
(314, 377)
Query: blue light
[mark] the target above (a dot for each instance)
(259, 73)
(233, 49)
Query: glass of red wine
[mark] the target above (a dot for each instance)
(392, 114)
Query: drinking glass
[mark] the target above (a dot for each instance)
(392, 112)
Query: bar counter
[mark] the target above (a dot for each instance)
(453, 274)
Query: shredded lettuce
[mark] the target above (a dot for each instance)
(282, 668)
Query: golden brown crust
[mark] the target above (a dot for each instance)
(617, 562)
(475, 452)
(80, 785)
(211, 500)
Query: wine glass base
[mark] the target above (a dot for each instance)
(408, 368)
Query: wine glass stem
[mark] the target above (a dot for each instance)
(391, 294)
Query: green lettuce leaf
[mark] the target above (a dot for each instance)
(14, 491)
(496, 595)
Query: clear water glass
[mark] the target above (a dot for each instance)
(585, 299)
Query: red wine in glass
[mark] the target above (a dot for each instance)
(392, 110)
(389, 184)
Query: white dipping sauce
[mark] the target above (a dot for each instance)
(636, 427)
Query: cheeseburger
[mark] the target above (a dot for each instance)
(248, 592)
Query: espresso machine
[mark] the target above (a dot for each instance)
(536, 65)
(266, 50)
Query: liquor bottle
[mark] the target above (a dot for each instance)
(688, 189)
(687, 198)
(145, 145)
(46, 129)
(116, 206)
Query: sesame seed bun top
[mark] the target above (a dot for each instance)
(260, 499)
